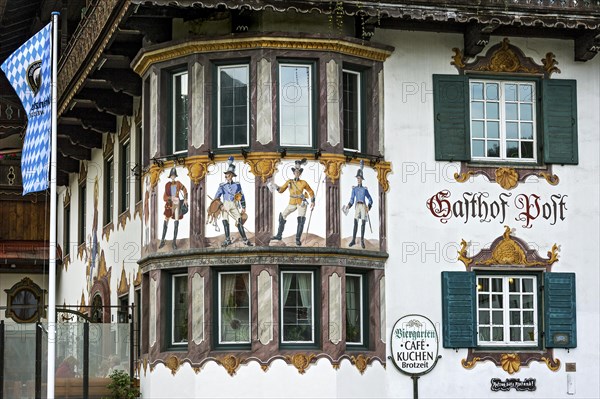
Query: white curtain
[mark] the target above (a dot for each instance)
(227, 306)
(351, 311)
(245, 319)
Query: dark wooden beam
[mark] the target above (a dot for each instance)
(62, 178)
(80, 136)
(107, 101)
(67, 165)
(587, 46)
(476, 37)
(89, 118)
(124, 80)
(68, 149)
(155, 30)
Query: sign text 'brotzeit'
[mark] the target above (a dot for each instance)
(414, 345)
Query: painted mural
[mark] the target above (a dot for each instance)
(299, 204)
(173, 209)
(231, 206)
(360, 220)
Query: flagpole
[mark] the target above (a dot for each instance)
(53, 199)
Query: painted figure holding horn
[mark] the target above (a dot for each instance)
(234, 204)
(364, 202)
(300, 193)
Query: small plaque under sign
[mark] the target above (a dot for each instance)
(570, 367)
(513, 383)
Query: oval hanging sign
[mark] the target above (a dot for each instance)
(414, 345)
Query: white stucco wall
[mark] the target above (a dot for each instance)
(420, 247)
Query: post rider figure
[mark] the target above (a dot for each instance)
(233, 197)
(172, 198)
(361, 194)
(300, 191)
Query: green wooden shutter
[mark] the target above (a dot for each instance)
(458, 309)
(559, 111)
(451, 118)
(560, 321)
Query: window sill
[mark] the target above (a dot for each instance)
(507, 175)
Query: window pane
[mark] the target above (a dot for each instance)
(491, 91)
(484, 333)
(512, 149)
(497, 301)
(528, 334)
(180, 112)
(477, 129)
(498, 334)
(478, 148)
(515, 333)
(485, 284)
(527, 149)
(497, 285)
(492, 111)
(477, 110)
(484, 301)
(180, 310)
(510, 92)
(527, 131)
(528, 317)
(527, 301)
(353, 309)
(351, 110)
(477, 91)
(493, 130)
(527, 285)
(511, 112)
(297, 310)
(295, 95)
(484, 317)
(497, 317)
(526, 112)
(233, 105)
(493, 148)
(515, 301)
(515, 318)
(234, 307)
(525, 92)
(512, 130)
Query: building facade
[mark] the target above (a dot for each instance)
(274, 185)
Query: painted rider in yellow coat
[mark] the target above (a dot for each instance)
(300, 193)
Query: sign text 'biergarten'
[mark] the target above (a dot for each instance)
(414, 345)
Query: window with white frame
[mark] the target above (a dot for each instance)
(179, 309)
(351, 110)
(503, 120)
(297, 308)
(233, 110)
(295, 105)
(507, 310)
(234, 308)
(354, 309)
(179, 106)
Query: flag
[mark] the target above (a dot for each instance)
(28, 70)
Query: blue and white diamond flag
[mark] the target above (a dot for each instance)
(28, 70)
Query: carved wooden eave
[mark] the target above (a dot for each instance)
(549, 14)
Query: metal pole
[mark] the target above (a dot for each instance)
(52, 244)
(38, 360)
(2, 346)
(86, 359)
(415, 379)
(131, 342)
